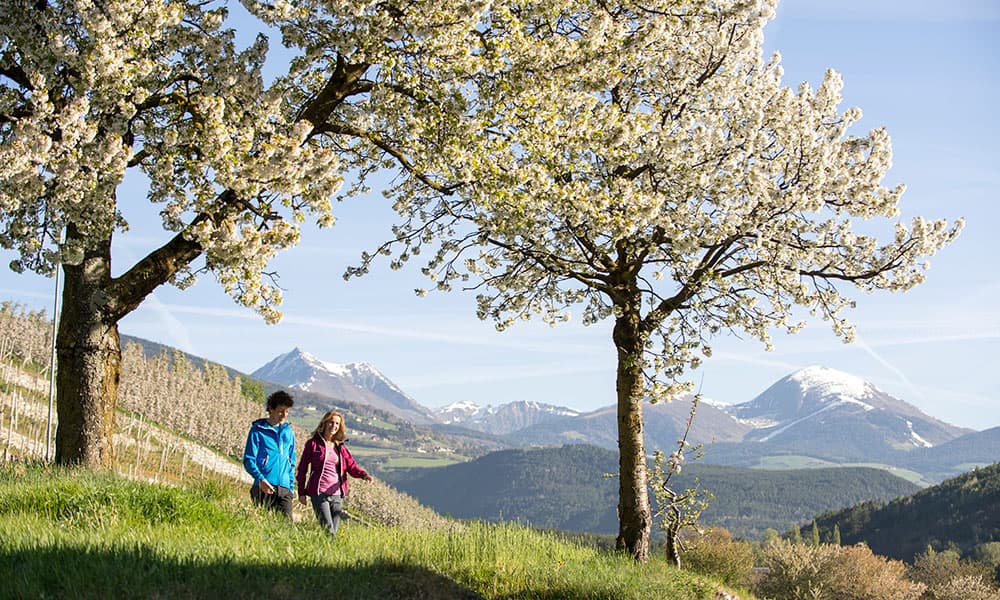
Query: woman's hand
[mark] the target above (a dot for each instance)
(302, 499)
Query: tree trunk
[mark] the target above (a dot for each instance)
(89, 363)
(634, 521)
(88, 349)
(672, 540)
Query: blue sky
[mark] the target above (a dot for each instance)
(927, 71)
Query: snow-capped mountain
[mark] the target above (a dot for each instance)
(827, 416)
(817, 407)
(663, 426)
(357, 382)
(502, 419)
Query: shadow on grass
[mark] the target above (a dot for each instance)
(82, 574)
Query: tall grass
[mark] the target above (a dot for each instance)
(86, 535)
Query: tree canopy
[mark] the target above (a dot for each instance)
(656, 142)
(639, 159)
(644, 161)
(94, 91)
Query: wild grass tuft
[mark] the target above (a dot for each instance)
(85, 498)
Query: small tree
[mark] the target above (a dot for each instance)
(828, 572)
(946, 570)
(677, 511)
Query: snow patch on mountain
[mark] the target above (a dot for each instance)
(503, 418)
(830, 383)
(919, 441)
(786, 426)
(358, 382)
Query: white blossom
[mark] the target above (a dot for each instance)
(656, 147)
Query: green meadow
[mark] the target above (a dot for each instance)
(80, 534)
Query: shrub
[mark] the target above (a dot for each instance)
(716, 553)
(949, 578)
(988, 553)
(963, 587)
(826, 572)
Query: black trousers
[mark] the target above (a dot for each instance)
(282, 500)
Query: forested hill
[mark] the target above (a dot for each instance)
(964, 511)
(566, 488)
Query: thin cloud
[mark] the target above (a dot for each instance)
(913, 389)
(10, 292)
(487, 338)
(754, 360)
(507, 374)
(174, 327)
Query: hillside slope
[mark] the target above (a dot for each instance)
(172, 444)
(566, 488)
(964, 511)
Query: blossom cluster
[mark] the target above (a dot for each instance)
(642, 161)
(91, 91)
(646, 162)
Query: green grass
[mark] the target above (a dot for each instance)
(391, 458)
(404, 462)
(362, 450)
(791, 461)
(907, 474)
(376, 422)
(84, 535)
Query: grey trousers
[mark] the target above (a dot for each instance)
(329, 511)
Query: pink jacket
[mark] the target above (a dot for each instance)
(313, 458)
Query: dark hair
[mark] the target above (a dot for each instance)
(279, 398)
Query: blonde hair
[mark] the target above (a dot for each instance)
(341, 432)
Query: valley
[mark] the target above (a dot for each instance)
(554, 467)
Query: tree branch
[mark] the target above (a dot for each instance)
(129, 289)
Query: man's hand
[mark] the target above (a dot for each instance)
(266, 487)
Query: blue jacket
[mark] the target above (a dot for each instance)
(270, 453)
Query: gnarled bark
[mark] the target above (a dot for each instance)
(88, 347)
(89, 364)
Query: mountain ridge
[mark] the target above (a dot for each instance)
(501, 419)
(823, 415)
(358, 382)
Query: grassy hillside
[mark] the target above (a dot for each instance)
(963, 512)
(112, 537)
(566, 488)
